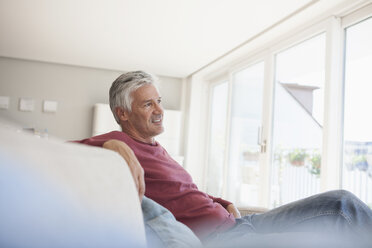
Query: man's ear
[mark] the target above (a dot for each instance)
(121, 113)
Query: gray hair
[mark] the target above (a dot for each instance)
(122, 88)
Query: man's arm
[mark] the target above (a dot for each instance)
(134, 166)
(229, 206)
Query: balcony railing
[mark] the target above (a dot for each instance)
(357, 170)
(296, 173)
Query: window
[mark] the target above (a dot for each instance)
(287, 99)
(357, 158)
(245, 127)
(216, 156)
(297, 121)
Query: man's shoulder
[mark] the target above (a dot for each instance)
(111, 133)
(119, 135)
(116, 133)
(98, 140)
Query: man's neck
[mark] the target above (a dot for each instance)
(136, 136)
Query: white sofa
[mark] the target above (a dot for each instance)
(58, 194)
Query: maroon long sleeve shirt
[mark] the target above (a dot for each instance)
(171, 186)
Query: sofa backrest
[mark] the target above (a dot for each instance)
(58, 194)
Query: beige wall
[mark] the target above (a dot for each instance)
(76, 89)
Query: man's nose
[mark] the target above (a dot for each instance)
(159, 108)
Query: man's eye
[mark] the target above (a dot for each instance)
(148, 104)
(159, 100)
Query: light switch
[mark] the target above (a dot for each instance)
(4, 102)
(50, 106)
(26, 104)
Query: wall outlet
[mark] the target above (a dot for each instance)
(50, 106)
(26, 104)
(4, 102)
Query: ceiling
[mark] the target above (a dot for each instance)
(166, 37)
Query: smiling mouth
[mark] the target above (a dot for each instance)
(157, 119)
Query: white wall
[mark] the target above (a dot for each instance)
(76, 89)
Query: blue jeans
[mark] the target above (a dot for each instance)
(337, 214)
(162, 229)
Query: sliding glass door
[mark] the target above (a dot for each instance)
(243, 171)
(302, 84)
(298, 121)
(217, 138)
(357, 156)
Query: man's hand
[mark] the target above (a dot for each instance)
(233, 210)
(134, 166)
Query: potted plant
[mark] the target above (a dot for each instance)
(315, 163)
(297, 157)
(360, 162)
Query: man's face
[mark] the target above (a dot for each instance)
(146, 119)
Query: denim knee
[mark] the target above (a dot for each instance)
(341, 197)
(344, 194)
(347, 203)
(354, 209)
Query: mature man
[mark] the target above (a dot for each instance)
(136, 105)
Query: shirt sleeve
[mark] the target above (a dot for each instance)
(221, 201)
